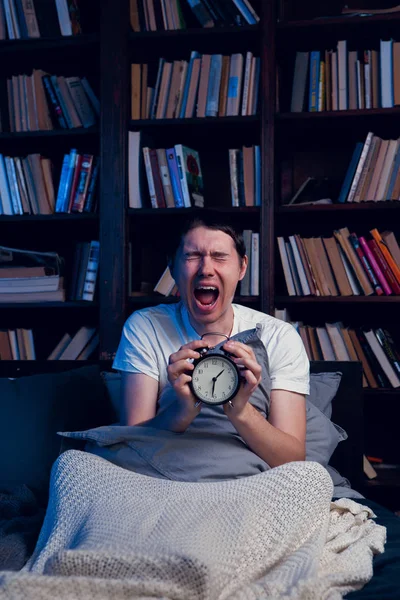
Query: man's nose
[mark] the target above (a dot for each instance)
(206, 267)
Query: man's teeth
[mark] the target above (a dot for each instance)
(203, 287)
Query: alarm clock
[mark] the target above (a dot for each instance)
(215, 378)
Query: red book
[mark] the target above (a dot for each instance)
(373, 246)
(374, 265)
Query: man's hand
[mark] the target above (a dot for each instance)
(251, 373)
(179, 369)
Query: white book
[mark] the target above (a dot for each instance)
(134, 160)
(78, 343)
(29, 343)
(12, 336)
(63, 17)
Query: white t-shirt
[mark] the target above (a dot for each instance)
(152, 334)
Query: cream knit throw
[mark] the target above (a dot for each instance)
(113, 534)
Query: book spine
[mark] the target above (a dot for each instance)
(364, 260)
(388, 349)
(314, 81)
(150, 181)
(175, 180)
(182, 175)
(54, 102)
(90, 197)
(92, 268)
(374, 265)
(373, 246)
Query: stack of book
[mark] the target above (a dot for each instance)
(208, 85)
(43, 102)
(342, 265)
(77, 186)
(77, 347)
(37, 18)
(373, 172)
(85, 271)
(245, 176)
(28, 276)
(17, 344)
(155, 15)
(344, 79)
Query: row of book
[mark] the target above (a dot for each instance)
(19, 344)
(373, 172)
(21, 19)
(77, 186)
(27, 185)
(159, 15)
(174, 176)
(245, 175)
(342, 265)
(208, 85)
(250, 284)
(44, 102)
(373, 347)
(344, 79)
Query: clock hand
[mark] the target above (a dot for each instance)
(214, 379)
(219, 374)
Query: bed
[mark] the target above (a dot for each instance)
(347, 459)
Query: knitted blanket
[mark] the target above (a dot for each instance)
(113, 534)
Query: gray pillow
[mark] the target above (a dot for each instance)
(322, 436)
(323, 388)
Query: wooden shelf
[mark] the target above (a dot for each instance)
(195, 122)
(296, 209)
(196, 33)
(232, 210)
(291, 27)
(59, 44)
(337, 299)
(46, 305)
(53, 133)
(336, 114)
(56, 217)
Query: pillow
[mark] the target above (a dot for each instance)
(323, 388)
(33, 409)
(322, 436)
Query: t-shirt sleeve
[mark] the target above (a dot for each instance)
(136, 350)
(288, 362)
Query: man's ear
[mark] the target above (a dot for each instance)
(243, 267)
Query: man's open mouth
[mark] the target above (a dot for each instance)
(206, 295)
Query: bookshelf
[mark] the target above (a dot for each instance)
(320, 144)
(291, 141)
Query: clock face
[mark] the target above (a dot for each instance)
(215, 379)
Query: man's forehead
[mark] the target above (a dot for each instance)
(208, 240)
